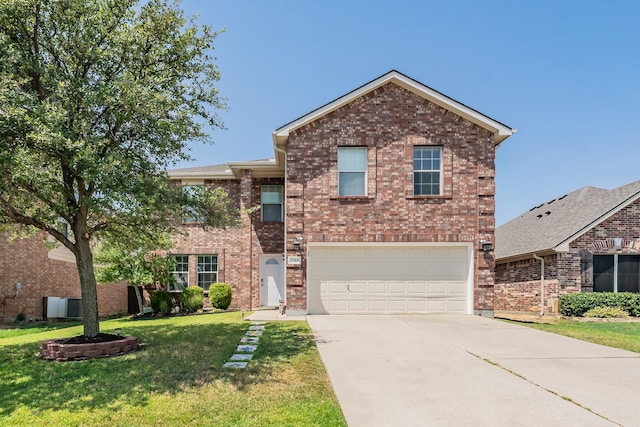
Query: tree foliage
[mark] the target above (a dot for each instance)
(98, 98)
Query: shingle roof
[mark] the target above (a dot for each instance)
(561, 220)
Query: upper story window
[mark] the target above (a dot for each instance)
(191, 213)
(352, 171)
(427, 164)
(271, 203)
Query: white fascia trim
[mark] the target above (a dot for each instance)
(253, 164)
(228, 174)
(500, 131)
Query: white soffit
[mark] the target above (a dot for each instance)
(500, 131)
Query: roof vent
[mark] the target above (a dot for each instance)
(547, 213)
(563, 197)
(551, 201)
(539, 216)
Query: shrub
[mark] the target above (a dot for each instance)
(21, 317)
(604, 312)
(220, 295)
(161, 302)
(578, 304)
(191, 299)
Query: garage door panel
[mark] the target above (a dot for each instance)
(417, 288)
(394, 279)
(376, 288)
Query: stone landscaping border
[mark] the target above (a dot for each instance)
(55, 350)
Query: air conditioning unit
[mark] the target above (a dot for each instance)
(65, 308)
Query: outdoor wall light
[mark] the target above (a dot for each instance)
(486, 245)
(617, 242)
(297, 242)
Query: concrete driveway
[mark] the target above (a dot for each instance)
(456, 370)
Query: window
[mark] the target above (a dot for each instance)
(180, 273)
(426, 171)
(272, 203)
(616, 273)
(207, 270)
(352, 171)
(191, 213)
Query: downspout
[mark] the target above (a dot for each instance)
(541, 283)
(284, 217)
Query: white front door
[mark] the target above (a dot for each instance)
(271, 279)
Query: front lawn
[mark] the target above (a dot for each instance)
(623, 335)
(177, 380)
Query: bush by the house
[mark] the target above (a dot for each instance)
(191, 299)
(220, 295)
(577, 304)
(606, 312)
(161, 302)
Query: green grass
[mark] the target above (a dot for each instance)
(623, 335)
(19, 329)
(177, 380)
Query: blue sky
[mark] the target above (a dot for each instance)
(565, 73)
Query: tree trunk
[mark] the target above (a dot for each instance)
(139, 296)
(84, 261)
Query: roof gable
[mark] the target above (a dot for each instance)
(551, 226)
(500, 130)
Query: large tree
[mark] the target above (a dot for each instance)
(97, 99)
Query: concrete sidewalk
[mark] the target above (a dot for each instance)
(271, 315)
(457, 370)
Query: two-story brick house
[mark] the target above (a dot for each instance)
(377, 202)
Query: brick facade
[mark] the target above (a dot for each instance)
(518, 282)
(26, 261)
(390, 121)
(239, 248)
(389, 116)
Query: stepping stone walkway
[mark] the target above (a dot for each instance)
(248, 344)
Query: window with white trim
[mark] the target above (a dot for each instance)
(427, 164)
(180, 273)
(352, 171)
(271, 199)
(207, 270)
(616, 273)
(192, 215)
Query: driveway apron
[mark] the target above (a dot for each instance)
(457, 370)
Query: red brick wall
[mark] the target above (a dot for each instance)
(26, 261)
(518, 283)
(238, 248)
(390, 121)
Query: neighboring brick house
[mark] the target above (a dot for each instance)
(377, 202)
(589, 240)
(42, 272)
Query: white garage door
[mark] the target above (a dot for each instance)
(358, 279)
